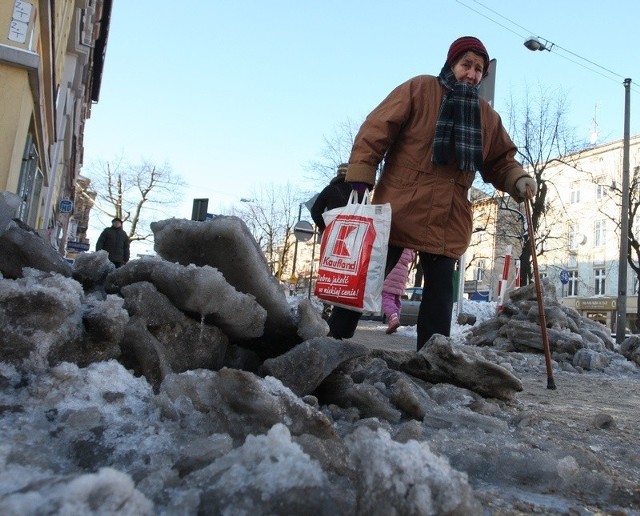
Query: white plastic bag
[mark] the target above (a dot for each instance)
(353, 255)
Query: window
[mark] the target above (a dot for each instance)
(601, 188)
(599, 236)
(575, 192)
(572, 286)
(30, 184)
(573, 236)
(599, 286)
(477, 237)
(479, 276)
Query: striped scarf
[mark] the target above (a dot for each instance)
(459, 119)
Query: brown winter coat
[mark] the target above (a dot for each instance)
(429, 203)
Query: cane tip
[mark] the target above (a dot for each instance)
(551, 384)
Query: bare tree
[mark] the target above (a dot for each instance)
(271, 214)
(633, 250)
(336, 149)
(538, 126)
(136, 193)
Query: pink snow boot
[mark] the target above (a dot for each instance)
(393, 324)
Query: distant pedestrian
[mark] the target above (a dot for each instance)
(334, 195)
(115, 241)
(393, 288)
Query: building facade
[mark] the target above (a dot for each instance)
(581, 228)
(496, 219)
(51, 61)
(585, 265)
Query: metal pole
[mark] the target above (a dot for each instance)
(459, 301)
(621, 308)
(462, 262)
(313, 258)
(295, 247)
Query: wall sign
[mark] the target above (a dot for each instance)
(19, 25)
(66, 206)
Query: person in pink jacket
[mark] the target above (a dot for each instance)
(393, 288)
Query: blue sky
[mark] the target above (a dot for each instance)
(235, 94)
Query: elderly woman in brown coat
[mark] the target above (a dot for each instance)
(434, 134)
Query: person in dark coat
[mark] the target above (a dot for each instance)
(334, 195)
(115, 241)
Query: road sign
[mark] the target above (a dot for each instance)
(564, 276)
(66, 206)
(487, 87)
(309, 204)
(303, 230)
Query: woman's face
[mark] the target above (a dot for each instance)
(469, 68)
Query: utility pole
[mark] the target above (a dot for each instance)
(621, 308)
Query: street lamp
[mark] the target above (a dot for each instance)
(295, 249)
(534, 43)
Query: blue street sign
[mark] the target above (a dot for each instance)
(564, 276)
(66, 206)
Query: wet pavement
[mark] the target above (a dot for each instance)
(372, 334)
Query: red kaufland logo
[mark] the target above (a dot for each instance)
(345, 256)
(344, 248)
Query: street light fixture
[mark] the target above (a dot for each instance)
(295, 248)
(534, 43)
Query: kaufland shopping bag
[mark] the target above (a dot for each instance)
(353, 255)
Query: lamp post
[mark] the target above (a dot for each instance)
(295, 249)
(534, 44)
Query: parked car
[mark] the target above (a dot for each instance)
(410, 304)
(372, 316)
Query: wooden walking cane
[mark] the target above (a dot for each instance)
(551, 384)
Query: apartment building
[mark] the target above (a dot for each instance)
(581, 234)
(51, 61)
(586, 264)
(497, 221)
